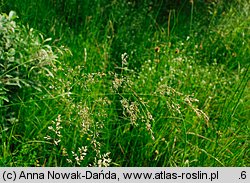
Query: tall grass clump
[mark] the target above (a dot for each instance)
(145, 83)
(222, 35)
(26, 60)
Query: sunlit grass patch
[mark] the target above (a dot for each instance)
(132, 89)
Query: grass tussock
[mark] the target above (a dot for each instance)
(117, 83)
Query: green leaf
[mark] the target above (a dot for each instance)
(4, 98)
(12, 15)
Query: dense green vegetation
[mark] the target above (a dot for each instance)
(124, 83)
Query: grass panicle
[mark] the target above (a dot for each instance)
(124, 83)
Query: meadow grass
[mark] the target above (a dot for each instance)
(141, 86)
